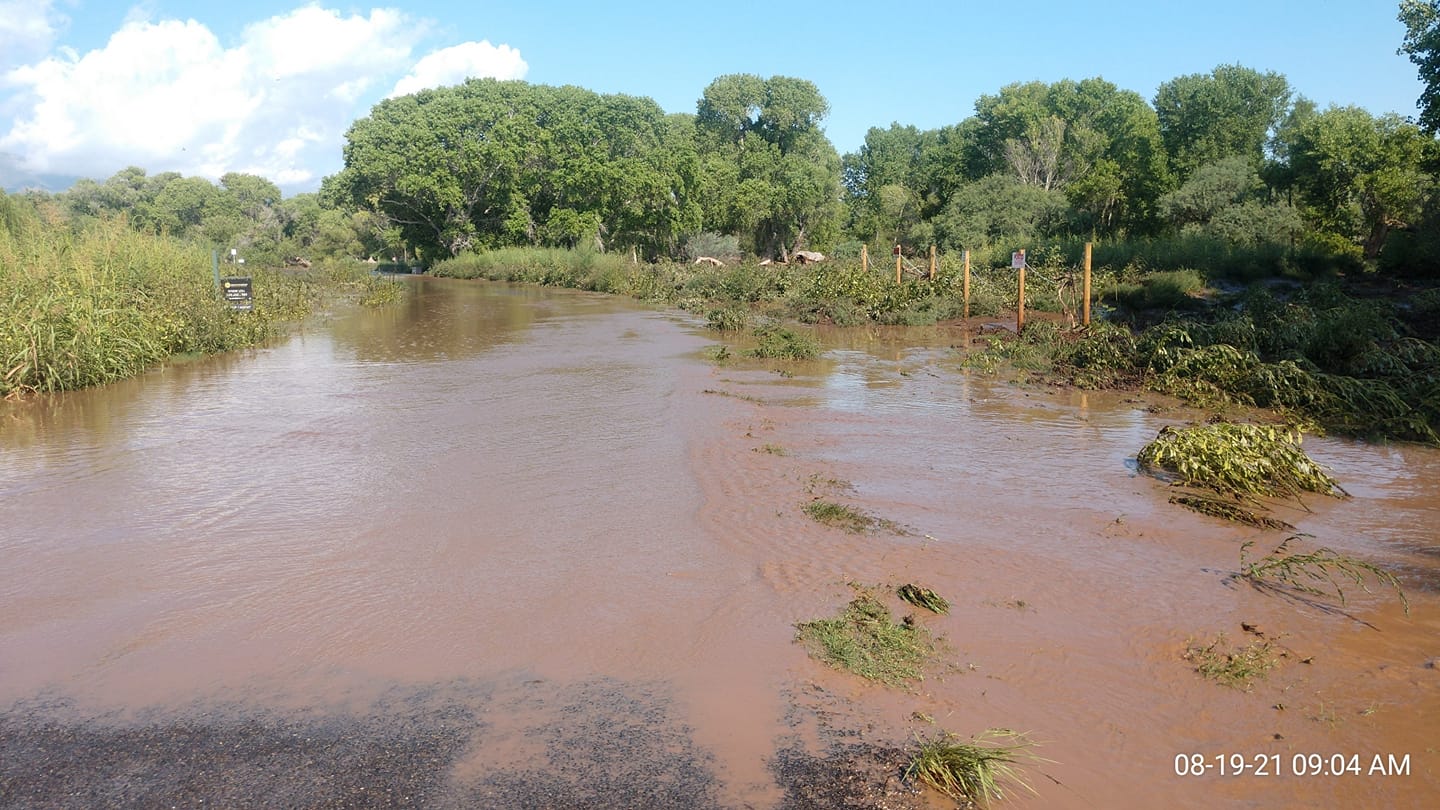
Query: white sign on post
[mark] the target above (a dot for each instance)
(1017, 260)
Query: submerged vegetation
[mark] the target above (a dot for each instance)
(864, 640)
(1228, 509)
(977, 771)
(1237, 667)
(1231, 467)
(1240, 460)
(1317, 573)
(848, 518)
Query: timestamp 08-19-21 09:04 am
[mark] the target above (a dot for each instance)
(1301, 764)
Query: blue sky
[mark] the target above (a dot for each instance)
(87, 88)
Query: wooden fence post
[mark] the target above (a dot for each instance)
(967, 285)
(1086, 319)
(898, 260)
(1020, 302)
(932, 262)
(865, 259)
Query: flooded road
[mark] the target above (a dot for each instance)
(508, 547)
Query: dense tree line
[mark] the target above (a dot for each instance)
(1234, 156)
(243, 211)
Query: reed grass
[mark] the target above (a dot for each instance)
(89, 306)
(1319, 573)
(979, 771)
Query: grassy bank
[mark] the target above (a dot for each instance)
(89, 306)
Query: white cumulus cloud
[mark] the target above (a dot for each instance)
(455, 64)
(168, 95)
(27, 29)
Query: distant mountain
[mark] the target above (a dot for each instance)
(14, 178)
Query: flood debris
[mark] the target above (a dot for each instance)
(982, 770)
(1236, 667)
(1241, 460)
(1229, 509)
(864, 640)
(923, 597)
(1316, 573)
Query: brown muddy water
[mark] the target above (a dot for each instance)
(504, 547)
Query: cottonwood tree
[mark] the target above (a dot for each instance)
(491, 163)
(1230, 111)
(1360, 175)
(1422, 45)
(774, 175)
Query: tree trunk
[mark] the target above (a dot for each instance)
(1376, 240)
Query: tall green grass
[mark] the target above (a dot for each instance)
(86, 307)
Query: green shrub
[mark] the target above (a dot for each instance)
(779, 342)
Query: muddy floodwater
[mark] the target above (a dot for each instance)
(505, 547)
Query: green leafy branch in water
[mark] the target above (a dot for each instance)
(1318, 573)
(1245, 461)
(978, 771)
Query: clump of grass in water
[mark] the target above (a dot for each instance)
(778, 342)
(1245, 461)
(1317, 573)
(847, 517)
(923, 597)
(979, 771)
(772, 449)
(863, 640)
(1237, 668)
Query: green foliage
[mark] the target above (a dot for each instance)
(862, 639)
(728, 319)
(1225, 201)
(1422, 44)
(97, 305)
(1229, 112)
(782, 343)
(1000, 209)
(842, 517)
(1164, 290)
(1237, 668)
(1360, 174)
(975, 773)
(771, 175)
(724, 247)
(492, 164)
(1098, 145)
(1102, 356)
(1239, 460)
(554, 267)
(1322, 356)
(1318, 573)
